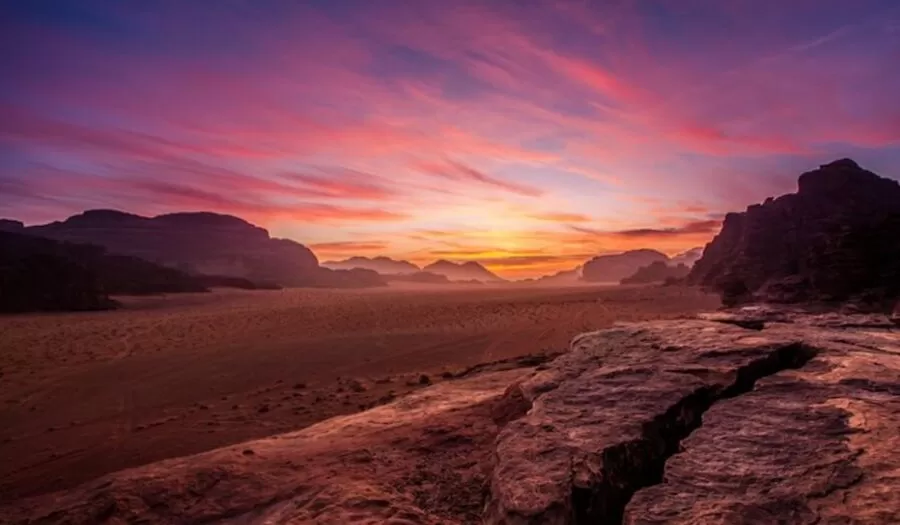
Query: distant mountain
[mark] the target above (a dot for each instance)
(418, 277)
(382, 265)
(39, 274)
(657, 272)
(467, 271)
(687, 258)
(561, 278)
(200, 243)
(614, 268)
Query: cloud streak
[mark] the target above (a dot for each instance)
(509, 129)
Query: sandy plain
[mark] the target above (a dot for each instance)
(85, 394)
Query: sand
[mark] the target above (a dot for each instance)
(90, 393)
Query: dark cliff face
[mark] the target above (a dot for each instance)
(836, 239)
(202, 243)
(614, 268)
(44, 275)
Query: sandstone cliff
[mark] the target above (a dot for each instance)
(836, 239)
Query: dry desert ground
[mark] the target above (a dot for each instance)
(84, 394)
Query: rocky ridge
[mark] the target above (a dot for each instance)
(201, 243)
(757, 416)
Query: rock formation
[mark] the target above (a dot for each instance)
(657, 272)
(698, 422)
(44, 275)
(833, 240)
(467, 271)
(614, 268)
(200, 243)
(7, 225)
(382, 265)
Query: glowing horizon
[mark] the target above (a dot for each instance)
(526, 137)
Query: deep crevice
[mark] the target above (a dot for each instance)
(638, 464)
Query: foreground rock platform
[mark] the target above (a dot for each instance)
(749, 417)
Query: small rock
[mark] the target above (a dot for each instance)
(263, 409)
(248, 452)
(299, 386)
(447, 375)
(356, 386)
(424, 380)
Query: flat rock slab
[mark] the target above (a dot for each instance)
(751, 417)
(709, 422)
(421, 459)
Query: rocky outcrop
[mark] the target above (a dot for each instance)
(44, 275)
(467, 271)
(7, 225)
(833, 240)
(197, 243)
(614, 268)
(698, 422)
(657, 272)
(382, 265)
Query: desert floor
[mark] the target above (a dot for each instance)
(90, 393)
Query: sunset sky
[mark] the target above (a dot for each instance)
(526, 135)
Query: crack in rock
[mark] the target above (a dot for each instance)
(635, 465)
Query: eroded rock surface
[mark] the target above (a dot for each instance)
(793, 420)
(707, 422)
(421, 459)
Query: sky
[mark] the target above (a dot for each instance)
(527, 135)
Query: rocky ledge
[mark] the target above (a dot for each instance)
(750, 417)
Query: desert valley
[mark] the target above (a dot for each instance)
(234, 369)
(496, 262)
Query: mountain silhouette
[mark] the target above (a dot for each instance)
(467, 271)
(382, 265)
(39, 274)
(614, 268)
(201, 243)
